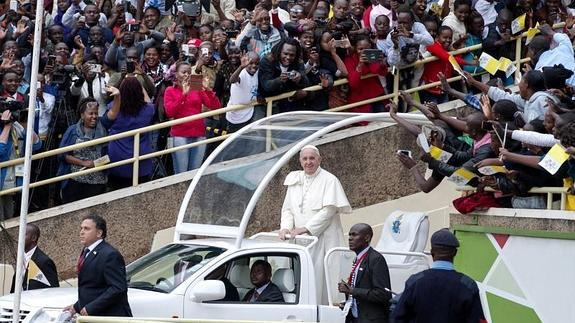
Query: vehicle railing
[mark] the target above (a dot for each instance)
(550, 191)
(302, 240)
(136, 133)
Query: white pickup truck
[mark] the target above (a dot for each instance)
(186, 278)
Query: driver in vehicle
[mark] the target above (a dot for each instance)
(265, 290)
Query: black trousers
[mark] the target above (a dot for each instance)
(75, 191)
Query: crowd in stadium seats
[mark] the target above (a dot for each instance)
(111, 66)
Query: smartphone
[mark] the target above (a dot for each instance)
(373, 55)
(179, 37)
(51, 60)
(405, 153)
(196, 82)
(339, 43)
(133, 28)
(95, 68)
(130, 67)
(205, 51)
(486, 125)
(82, 19)
(186, 49)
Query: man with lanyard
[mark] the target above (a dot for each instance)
(368, 286)
(440, 294)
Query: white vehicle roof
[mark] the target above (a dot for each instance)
(223, 194)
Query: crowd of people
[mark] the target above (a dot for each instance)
(111, 66)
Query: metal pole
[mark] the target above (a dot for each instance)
(136, 166)
(28, 160)
(269, 112)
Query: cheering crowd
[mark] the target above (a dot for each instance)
(111, 66)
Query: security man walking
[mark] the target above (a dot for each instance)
(440, 294)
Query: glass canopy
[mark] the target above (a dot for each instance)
(223, 193)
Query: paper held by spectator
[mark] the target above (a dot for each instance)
(531, 33)
(554, 159)
(462, 176)
(436, 9)
(456, 66)
(490, 170)
(491, 65)
(423, 142)
(102, 161)
(518, 24)
(440, 154)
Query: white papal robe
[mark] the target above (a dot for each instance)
(316, 203)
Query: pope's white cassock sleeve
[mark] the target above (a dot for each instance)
(316, 203)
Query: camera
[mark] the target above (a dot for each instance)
(292, 75)
(13, 106)
(191, 8)
(62, 74)
(232, 34)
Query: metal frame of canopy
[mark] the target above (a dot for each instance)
(238, 233)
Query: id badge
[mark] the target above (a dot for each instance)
(19, 170)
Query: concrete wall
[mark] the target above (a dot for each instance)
(361, 157)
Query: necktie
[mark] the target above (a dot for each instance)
(81, 259)
(255, 296)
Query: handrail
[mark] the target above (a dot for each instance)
(563, 191)
(136, 158)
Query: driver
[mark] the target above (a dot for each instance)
(265, 291)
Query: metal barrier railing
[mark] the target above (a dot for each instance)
(136, 133)
(550, 191)
(101, 319)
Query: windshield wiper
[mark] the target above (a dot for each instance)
(146, 286)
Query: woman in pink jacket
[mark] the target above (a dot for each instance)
(180, 101)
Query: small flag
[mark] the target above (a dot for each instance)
(490, 170)
(440, 154)
(507, 66)
(531, 33)
(34, 273)
(461, 176)
(488, 63)
(518, 24)
(455, 65)
(554, 159)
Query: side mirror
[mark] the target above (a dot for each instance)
(208, 290)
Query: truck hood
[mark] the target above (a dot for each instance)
(58, 298)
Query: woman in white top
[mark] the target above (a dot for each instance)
(456, 21)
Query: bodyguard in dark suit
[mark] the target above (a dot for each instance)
(367, 298)
(48, 275)
(102, 286)
(265, 291)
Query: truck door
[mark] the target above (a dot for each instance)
(283, 297)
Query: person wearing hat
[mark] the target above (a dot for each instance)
(440, 294)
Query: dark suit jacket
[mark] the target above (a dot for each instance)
(272, 294)
(47, 267)
(369, 292)
(102, 285)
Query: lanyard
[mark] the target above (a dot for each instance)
(358, 262)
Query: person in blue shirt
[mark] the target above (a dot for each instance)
(440, 294)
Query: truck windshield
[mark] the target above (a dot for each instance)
(166, 268)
